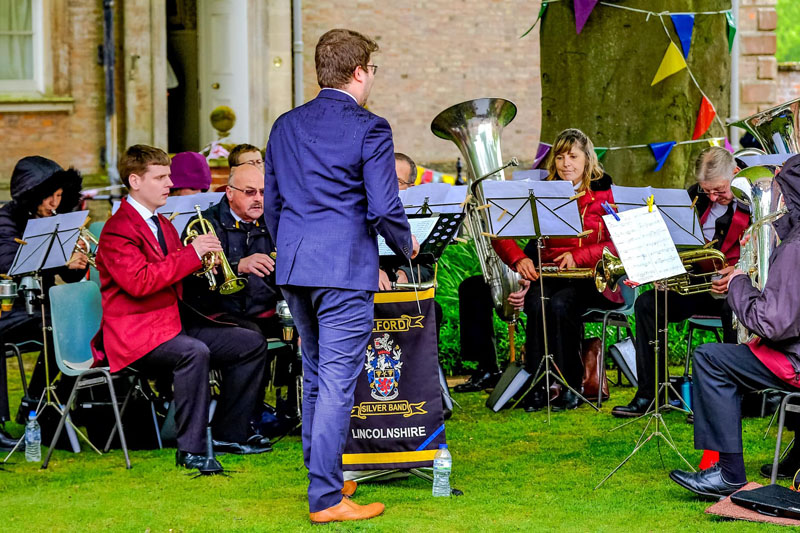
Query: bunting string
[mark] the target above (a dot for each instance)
(705, 140)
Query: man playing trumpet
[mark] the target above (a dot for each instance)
(147, 327)
(723, 220)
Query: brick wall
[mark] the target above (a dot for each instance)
(758, 69)
(439, 53)
(788, 82)
(70, 138)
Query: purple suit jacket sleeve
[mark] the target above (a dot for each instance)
(272, 198)
(384, 209)
(770, 313)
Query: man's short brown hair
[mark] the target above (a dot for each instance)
(338, 54)
(239, 149)
(137, 158)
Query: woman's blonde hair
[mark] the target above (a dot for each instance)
(563, 144)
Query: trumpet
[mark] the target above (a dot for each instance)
(609, 270)
(552, 271)
(84, 245)
(232, 283)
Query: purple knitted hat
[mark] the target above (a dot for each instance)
(190, 171)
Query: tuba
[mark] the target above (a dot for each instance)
(475, 127)
(756, 187)
(231, 283)
(775, 128)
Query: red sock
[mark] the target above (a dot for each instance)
(710, 458)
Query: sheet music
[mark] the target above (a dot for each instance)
(440, 197)
(644, 245)
(420, 227)
(537, 174)
(511, 215)
(676, 208)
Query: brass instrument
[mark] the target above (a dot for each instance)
(775, 128)
(231, 283)
(609, 270)
(84, 245)
(475, 127)
(757, 188)
(552, 271)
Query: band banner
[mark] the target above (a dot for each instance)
(396, 421)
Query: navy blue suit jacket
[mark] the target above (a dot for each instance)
(330, 188)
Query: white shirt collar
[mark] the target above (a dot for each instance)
(146, 214)
(341, 91)
(236, 217)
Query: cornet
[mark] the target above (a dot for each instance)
(232, 282)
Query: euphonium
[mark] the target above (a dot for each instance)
(757, 188)
(475, 127)
(609, 270)
(232, 283)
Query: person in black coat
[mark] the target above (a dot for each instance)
(39, 188)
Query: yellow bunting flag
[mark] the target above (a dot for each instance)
(673, 62)
(717, 141)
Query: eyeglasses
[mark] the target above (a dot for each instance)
(374, 68)
(249, 192)
(254, 162)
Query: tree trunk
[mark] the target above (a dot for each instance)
(599, 82)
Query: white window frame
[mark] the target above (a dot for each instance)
(37, 84)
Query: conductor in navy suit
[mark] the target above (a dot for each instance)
(330, 189)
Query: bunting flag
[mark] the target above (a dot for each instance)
(426, 175)
(684, 26)
(671, 63)
(541, 14)
(728, 146)
(600, 152)
(731, 29)
(541, 154)
(661, 152)
(704, 118)
(583, 8)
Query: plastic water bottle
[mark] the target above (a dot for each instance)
(442, 464)
(33, 439)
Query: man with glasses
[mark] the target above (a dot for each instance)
(246, 154)
(331, 189)
(723, 220)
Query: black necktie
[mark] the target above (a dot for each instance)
(161, 240)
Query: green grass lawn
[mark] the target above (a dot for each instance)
(518, 473)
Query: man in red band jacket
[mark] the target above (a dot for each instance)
(147, 327)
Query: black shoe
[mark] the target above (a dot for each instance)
(706, 483)
(7, 442)
(260, 440)
(241, 448)
(786, 468)
(637, 407)
(534, 401)
(194, 461)
(567, 401)
(478, 382)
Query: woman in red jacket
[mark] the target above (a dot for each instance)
(572, 158)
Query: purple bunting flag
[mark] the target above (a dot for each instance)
(541, 154)
(661, 152)
(684, 25)
(583, 8)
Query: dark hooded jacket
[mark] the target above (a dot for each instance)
(35, 178)
(774, 312)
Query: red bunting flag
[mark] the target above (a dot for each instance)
(704, 118)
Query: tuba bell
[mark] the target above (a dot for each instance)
(475, 127)
(776, 129)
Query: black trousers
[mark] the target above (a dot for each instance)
(566, 302)
(722, 374)
(240, 355)
(475, 313)
(679, 308)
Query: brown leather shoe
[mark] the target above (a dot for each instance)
(346, 510)
(349, 488)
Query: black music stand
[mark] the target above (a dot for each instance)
(661, 251)
(686, 232)
(47, 243)
(536, 210)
